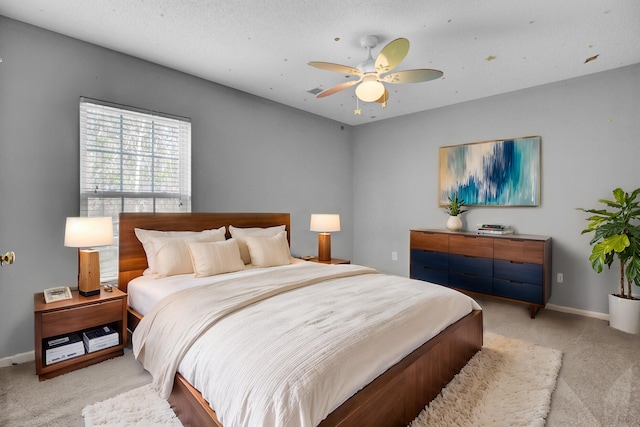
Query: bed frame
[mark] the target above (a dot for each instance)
(395, 398)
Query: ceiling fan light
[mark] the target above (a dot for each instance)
(370, 91)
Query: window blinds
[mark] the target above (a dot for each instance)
(131, 160)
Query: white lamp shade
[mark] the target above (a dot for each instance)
(86, 232)
(370, 91)
(325, 223)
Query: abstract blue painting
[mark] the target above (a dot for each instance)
(492, 173)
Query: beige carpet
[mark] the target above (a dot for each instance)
(27, 402)
(508, 383)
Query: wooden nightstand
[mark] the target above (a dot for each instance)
(333, 261)
(77, 315)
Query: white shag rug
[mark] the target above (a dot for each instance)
(141, 407)
(508, 383)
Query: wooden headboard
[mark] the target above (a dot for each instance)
(132, 259)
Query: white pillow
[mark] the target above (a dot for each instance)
(146, 236)
(269, 251)
(242, 233)
(211, 258)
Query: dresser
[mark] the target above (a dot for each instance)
(512, 267)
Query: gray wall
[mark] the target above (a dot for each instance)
(249, 154)
(589, 128)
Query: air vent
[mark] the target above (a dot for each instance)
(315, 91)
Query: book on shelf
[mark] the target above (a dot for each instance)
(491, 227)
(100, 338)
(495, 231)
(57, 349)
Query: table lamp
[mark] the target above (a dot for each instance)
(85, 233)
(324, 224)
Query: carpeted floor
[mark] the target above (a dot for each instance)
(27, 402)
(598, 384)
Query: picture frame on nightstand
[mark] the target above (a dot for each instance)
(57, 294)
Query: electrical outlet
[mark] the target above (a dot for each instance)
(560, 278)
(394, 256)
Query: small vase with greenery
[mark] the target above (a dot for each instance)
(455, 208)
(617, 235)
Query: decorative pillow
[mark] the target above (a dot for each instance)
(146, 238)
(242, 233)
(269, 251)
(211, 258)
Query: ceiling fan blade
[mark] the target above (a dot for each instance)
(412, 76)
(336, 88)
(335, 67)
(391, 55)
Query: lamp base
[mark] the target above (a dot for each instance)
(90, 293)
(88, 272)
(324, 247)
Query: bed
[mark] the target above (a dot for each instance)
(394, 397)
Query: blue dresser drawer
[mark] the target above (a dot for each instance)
(433, 275)
(470, 282)
(518, 271)
(471, 265)
(430, 258)
(518, 290)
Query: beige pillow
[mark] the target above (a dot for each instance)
(269, 251)
(171, 256)
(242, 233)
(145, 237)
(211, 258)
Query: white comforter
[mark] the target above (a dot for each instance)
(285, 346)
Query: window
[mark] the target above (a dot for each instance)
(131, 160)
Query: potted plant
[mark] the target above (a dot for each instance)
(455, 208)
(617, 236)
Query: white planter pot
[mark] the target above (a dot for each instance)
(454, 223)
(624, 314)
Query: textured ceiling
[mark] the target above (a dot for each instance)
(484, 47)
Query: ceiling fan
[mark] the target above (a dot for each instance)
(372, 73)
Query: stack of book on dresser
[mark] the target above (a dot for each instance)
(61, 348)
(100, 338)
(494, 229)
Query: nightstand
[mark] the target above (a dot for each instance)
(333, 261)
(77, 315)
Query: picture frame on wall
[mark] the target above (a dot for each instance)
(491, 173)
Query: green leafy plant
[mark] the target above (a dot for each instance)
(617, 235)
(455, 206)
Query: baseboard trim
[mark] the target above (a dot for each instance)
(17, 359)
(571, 310)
